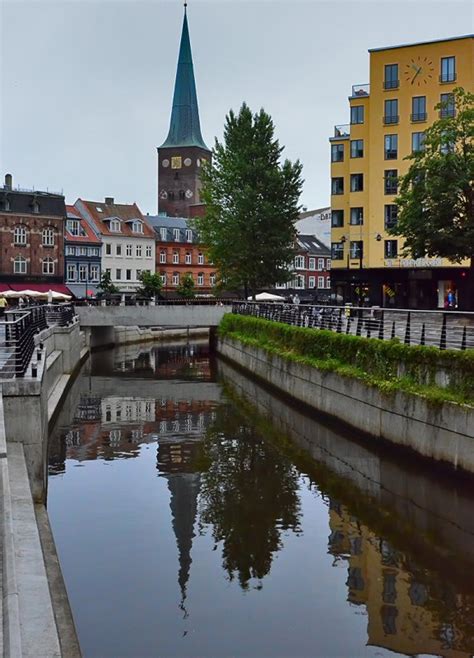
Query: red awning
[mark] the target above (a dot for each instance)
(41, 287)
(4, 287)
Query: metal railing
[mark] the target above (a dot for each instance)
(360, 90)
(17, 335)
(342, 130)
(441, 329)
(145, 301)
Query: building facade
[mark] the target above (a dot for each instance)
(388, 119)
(182, 154)
(316, 222)
(179, 252)
(311, 279)
(128, 241)
(31, 239)
(82, 248)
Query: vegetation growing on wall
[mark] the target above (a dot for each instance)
(389, 365)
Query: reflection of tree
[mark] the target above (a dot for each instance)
(249, 493)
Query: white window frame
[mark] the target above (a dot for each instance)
(320, 282)
(312, 263)
(328, 263)
(83, 273)
(118, 274)
(320, 264)
(128, 249)
(200, 279)
(163, 278)
(137, 227)
(70, 251)
(162, 256)
(175, 258)
(189, 235)
(95, 272)
(312, 282)
(212, 279)
(175, 279)
(300, 281)
(299, 262)
(115, 226)
(71, 274)
(328, 282)
(163, 234)
(20, 265)
(148, 251)
(20, 235)
(200, 258)
(176, 234)
(138, 251)
(48, 266)
(188, 258)
(108, 249)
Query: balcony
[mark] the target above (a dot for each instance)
(445, 78)
(390, 119)
(416, 118)
(342, 131)
(360, 90)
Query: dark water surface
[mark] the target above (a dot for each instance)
(196, 514)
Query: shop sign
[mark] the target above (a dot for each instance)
(414, 262)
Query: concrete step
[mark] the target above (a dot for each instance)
(55, 395)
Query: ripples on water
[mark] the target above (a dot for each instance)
(196, 514)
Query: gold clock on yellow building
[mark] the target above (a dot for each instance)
(419, 71)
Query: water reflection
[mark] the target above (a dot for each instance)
(241, 490)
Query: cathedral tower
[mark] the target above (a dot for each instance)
(181, 155)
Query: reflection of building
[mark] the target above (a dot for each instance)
(388, 119)
(408, 612)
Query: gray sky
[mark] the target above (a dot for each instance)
(86, 87)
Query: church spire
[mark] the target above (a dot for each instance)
(185, 128)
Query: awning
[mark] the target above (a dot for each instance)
(41, 287)
(4, 287)
(79, 290)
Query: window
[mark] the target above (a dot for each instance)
(138, 251)
(118, 274)
(312, 263)
(48, 237)
(448, 69)
(108, 270)
(299, 281)
(128, 250)
(162, 256)
(163, 234)
(148, 251)
(328, 263)
(357, 216)
(311, 282)
(74, 227)
(82, 251)
(115, 226)
(71, 272)
(357, 114)
(163, 278)
(448, 108)
(357, 148)
(187, 258)
(82, 272)
(391, 76)
(390, 212)
(391, 111)
(391, 248)
(200, 279)
(6, 204)
(95, 272)
(200, 258)
(357, 249)
(320, 264)
(212, 279)
(175, 279)
(128, 275)
(320, 282)
(175, 257)
(118, 249)
(328, 282)
(36, 207)
(70, 251)
(418, 108)
(391, 181)
(92, 251)
(299, 262)
(189, 235)
(391, 147)
(337, 218)
(48, 266)
(337, 152)
(337, 185)
(417, 142)
(138, 274)
(137, 227)
(357, 182)
(19, 265)
(108, 249)
(19, 235)
(176, 234)
(337, 250)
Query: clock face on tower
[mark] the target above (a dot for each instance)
(188, 194)
(163, 194)
(419, 71)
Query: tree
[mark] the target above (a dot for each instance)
(251, 204)
(436, 197)
(151, 284)
(106, 285)
(186, 287)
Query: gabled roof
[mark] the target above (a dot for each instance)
(100, 214)
(312, 245)
(89, 238)
(185, 128)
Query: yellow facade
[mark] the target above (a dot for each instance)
(423, 71)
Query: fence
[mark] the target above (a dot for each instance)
(445, 330)
(17, 333)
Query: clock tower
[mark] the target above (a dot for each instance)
(181, 155)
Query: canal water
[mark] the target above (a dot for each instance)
(197, 514)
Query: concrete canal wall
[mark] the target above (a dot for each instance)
(442, 431)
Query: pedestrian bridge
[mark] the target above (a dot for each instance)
(161, 315)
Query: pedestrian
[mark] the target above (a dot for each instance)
(3, 305)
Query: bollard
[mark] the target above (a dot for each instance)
(381, 327)
(422, 338)
(463, 341)
(392, 335)
(408, 329)
(442, 341)
(359, 325)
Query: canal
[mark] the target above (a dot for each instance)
(195, 513)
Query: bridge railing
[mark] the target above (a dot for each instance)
(441, 329)
(142, 301)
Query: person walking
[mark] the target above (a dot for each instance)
(3, 306)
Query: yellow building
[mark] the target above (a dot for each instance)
(387, 120)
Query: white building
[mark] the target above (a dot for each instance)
(316, 222)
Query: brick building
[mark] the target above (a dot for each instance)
(82, 255)
(31, 239)
(178, 252)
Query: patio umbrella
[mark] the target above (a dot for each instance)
(267, 297)
(60, 296)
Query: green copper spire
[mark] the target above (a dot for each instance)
(185, 129)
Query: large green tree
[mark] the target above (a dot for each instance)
(186, 288)
(252, 203)
(150, 284)
(436, 196)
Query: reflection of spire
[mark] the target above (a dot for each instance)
(184, 489)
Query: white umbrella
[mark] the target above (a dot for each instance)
(267, 297)
(58, 295)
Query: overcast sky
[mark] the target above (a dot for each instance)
(86, 87)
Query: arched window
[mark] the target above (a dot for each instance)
(19, 235)
(137, 227)
(163, 278)
(48, 237)
(19, 265)
(48, 266)
(200, 258)
(175, 279)
(200, 279)
(115, 225)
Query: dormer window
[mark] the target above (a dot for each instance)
(6, 204)
(114, 226)
(137, 226)
(74, 227)
(163, 234)
(36, 208)
(176, 234)
(189, 235)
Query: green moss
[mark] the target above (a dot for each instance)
(386, 365)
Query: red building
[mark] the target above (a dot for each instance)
(311, 271)
(31, 239)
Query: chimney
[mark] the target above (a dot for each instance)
(8, 181)
(109, 200)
